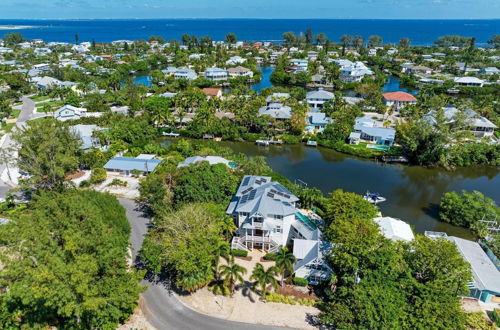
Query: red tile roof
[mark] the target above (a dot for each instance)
(211, 91)
(399, 96)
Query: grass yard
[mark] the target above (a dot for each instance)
(8, 127)
(53, 104)
(40, 98)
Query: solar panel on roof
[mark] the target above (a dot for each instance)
(286, 196)
(246, 191)
(245, 181)
(252, 194)
(244, 199)
(270, 194)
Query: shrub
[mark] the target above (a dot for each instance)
(118, 182)
(239, 253)
(98, 175)
(270, 256)
(477, 320)
(84, 184)
(291, 139)
(282, 299)
(300, 281)
(496, 316)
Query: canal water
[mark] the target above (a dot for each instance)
(413, 192)
(266, 78)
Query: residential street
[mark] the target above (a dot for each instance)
(27, 113)
(162, 309)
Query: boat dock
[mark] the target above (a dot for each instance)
(311, 143)
(397, 159)
(268, 142)
(171, 134)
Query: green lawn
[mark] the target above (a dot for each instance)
(15, 113)
(53, 104)
(8, 127)
(40, 98)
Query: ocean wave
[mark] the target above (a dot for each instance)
(18, 27)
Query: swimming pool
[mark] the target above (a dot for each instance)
(378, 146)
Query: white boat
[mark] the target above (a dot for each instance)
(374, 198)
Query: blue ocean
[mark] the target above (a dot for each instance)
(420, 32)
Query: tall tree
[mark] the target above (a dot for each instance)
(48, 153)
(374, 41)
(77, 38)
(65, 264)
(263, 277)
(404, 42)
(284, 262)
(231, 38)
(233, 273)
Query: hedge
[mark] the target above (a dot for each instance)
(270, 256)
(300, 281)
(496, 316)
(279, 298)
(98, 175)
(239, 253)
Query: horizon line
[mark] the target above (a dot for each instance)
(253, 18)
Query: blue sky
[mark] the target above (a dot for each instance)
(82, 9)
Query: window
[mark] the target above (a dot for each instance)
(279, 229)
(277, 217)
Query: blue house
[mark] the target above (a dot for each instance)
(144, 164)
(366, 130)
(485, 284)
(317, 121)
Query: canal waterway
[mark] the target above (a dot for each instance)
(413, 192)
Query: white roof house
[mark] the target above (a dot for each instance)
(216, 74)
(234, 60)
(395, 229)
(69, 112)
(469, 81)
(486, 277)
(479, 126)
(277, 97)
(311, 260)
(490, 70)
(211, 159)
(316, 99)
(276, 110)
(85, 132)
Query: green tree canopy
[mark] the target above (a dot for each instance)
(65, 264)
(48, 153)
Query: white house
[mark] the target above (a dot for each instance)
(490, 70)
(69, 112)
(216, 74)
(395, 229)
(266, 216)
(235, 60)
(85, 132)
(479, 126)
(185, 73)
(469, 82)
(367, 130)
(398, 99)
(352, 71)
(276, 110)
(277, 98)
(212, 160)
(316, 99)
(300, 64)
(240, 71)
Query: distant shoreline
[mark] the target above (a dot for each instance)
(16, 27)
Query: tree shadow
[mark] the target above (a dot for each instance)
(432, 210)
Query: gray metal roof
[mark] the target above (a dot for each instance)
(211, 159)
(129, 164)
(258, 195)
(486, 275)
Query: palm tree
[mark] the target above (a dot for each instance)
(284, 262)
(219, 286)
(222, 251)
(232, 273)
(264, 277)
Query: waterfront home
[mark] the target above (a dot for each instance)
(142, 164)
(398, 99)
(212, 92)
(277, 98)
(354, 72)
(316, 122)
(69, 112)
(85, 132)
(311, 263)
(185, 73)
(266, 216)
(301, 65)
(469, 82)
(274, 56)
(235, 60)
(170, 70)
(212, 160)
(490, 70)
(276, 110)
(239, 71)
(478, 125)
(43, 67)
(316, 99)
(416, 69)
(485, 285)
(216, 74)
(367, 130)
(395, 229)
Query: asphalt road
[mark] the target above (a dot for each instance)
(162, 309)
(27, 113)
